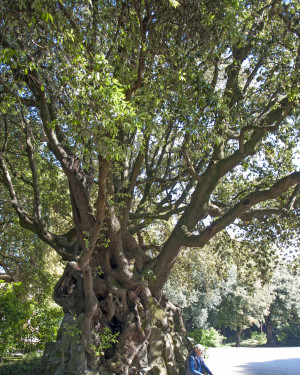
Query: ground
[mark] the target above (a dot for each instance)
(221, 361)
(254, 361)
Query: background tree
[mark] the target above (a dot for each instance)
(236, 290)
(223, 285)
(243, 307)
(136, 112)
(285, 307)
(197, 281)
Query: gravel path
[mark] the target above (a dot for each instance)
(254, 361)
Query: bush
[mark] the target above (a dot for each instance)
(256, 339)
(25, 324)
(207, 337)
(259, 337)
(289, 335)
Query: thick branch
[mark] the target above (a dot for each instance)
(242, 210)
(132, 183)
(252, 75)
(70, 164)
(104, 166)
(182, 235)
(261, 214)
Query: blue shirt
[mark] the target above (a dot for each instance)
(200, 365)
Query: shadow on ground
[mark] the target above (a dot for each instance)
(290, 366)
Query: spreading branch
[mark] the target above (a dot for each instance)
(242, 210)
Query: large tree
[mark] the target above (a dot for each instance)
(285, 307)
(119, 114)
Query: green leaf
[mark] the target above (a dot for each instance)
(174, 3)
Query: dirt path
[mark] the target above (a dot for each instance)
(254, 361)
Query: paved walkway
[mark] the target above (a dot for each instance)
(254, 361)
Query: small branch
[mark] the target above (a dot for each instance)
(141, 62)
(13, 259)
(252, 75)
(117, 31)
(5, 134)
(276, 115)
(162, 150)
(158, 216)
(69, 17)
(262, 213)
(26, 221)
(35, 184)
(190, 166)
(293, 197)
(132, 183)
(14, 200)
(267, 110)
(216, 73)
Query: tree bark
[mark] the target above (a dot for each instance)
(269, 332)
(151, 335)
(238, 337)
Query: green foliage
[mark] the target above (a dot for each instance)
(106, 340)
(284, 310)
(174, 3)
(202, 279)
(224, 284)
(207, 337)
(98, 271)
(243, 307)
(256, 339)
(26, 324)
(285, 286)
(289, 335)
(147, 275)
(72, 330)
(259, 338)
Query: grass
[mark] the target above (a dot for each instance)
(20, 365)
(256, 340)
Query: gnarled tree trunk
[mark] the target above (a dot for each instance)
(151, 335)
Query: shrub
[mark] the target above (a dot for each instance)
(259, 337)
(289, 335)
(207, 337)
(25, 324)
